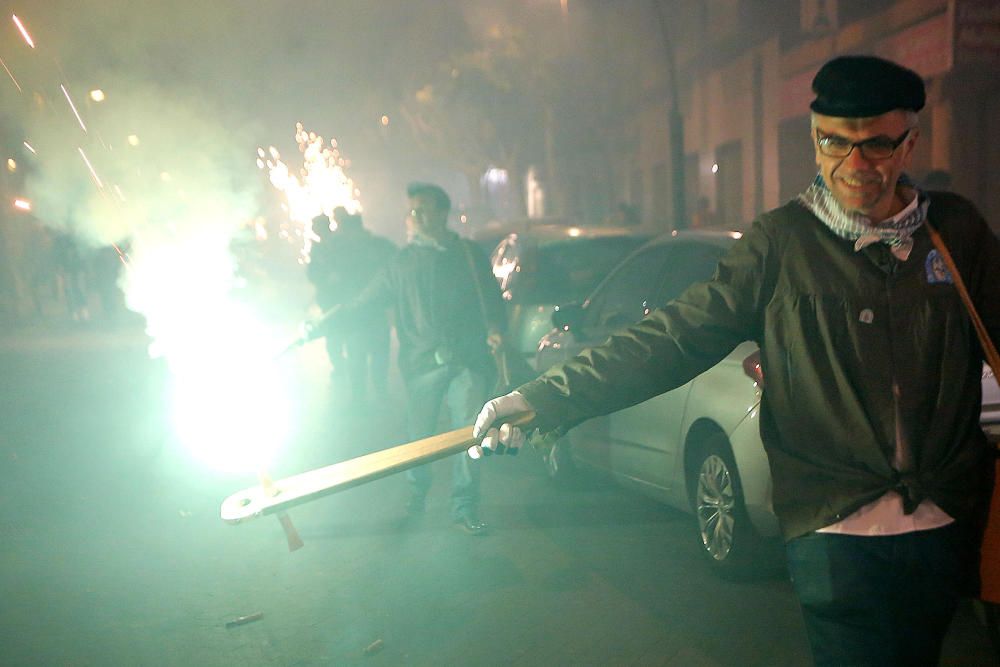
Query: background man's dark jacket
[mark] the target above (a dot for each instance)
(432, 291)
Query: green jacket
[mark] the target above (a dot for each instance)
(835, 328)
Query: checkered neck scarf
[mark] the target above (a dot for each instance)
(896, 232)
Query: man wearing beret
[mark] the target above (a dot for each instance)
(870, 411)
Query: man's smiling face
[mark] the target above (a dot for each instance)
(860, 181)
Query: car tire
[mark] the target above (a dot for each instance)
(559, 462)
(725, 535)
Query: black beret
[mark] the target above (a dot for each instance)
(864, 86)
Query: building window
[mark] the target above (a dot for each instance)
(729, 184)
(692, 183)
(661, 190)
(796, 157)
(636, 192)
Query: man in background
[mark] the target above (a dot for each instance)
(447, 312)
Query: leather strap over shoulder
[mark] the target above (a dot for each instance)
(992, 357)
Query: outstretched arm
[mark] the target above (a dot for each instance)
(664, 350)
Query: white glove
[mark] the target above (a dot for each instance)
(497, 436)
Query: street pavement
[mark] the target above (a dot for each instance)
(112, 551)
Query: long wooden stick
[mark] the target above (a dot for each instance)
(277, 496)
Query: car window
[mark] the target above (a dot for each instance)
(648, 280)
(569, 270)
(623, 299)
(690, 263)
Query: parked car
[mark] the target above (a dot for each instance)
(696, 448)
(545, 265)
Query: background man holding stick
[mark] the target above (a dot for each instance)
(448, 312)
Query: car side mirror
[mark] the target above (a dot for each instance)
(568, 316)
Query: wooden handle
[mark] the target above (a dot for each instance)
(284, 493)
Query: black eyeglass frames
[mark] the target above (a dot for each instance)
(875, 148)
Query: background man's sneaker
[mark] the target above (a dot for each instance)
(471, 526)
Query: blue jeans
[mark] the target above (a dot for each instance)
(885, 600)
(462, 392)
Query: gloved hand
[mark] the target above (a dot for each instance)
(499, 437)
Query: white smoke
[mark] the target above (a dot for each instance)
(175, 187)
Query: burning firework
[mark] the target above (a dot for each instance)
(321, 187)
(187, 201)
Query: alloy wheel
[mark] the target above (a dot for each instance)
(715, 507)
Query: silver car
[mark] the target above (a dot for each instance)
(698, 447)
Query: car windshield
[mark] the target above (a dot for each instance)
(569, 270)
(649, 279)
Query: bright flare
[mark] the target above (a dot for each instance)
(230, 401)
(24, 31)
(22, 204)
(97, 95)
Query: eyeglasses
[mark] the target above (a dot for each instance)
(876, 148)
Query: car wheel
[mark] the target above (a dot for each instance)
(725, 534)
(559, 463)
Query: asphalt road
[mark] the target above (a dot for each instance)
(112, 552)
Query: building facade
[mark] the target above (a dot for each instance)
(744, 90)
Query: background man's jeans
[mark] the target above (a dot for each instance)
(885, 600)
(462, 392)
